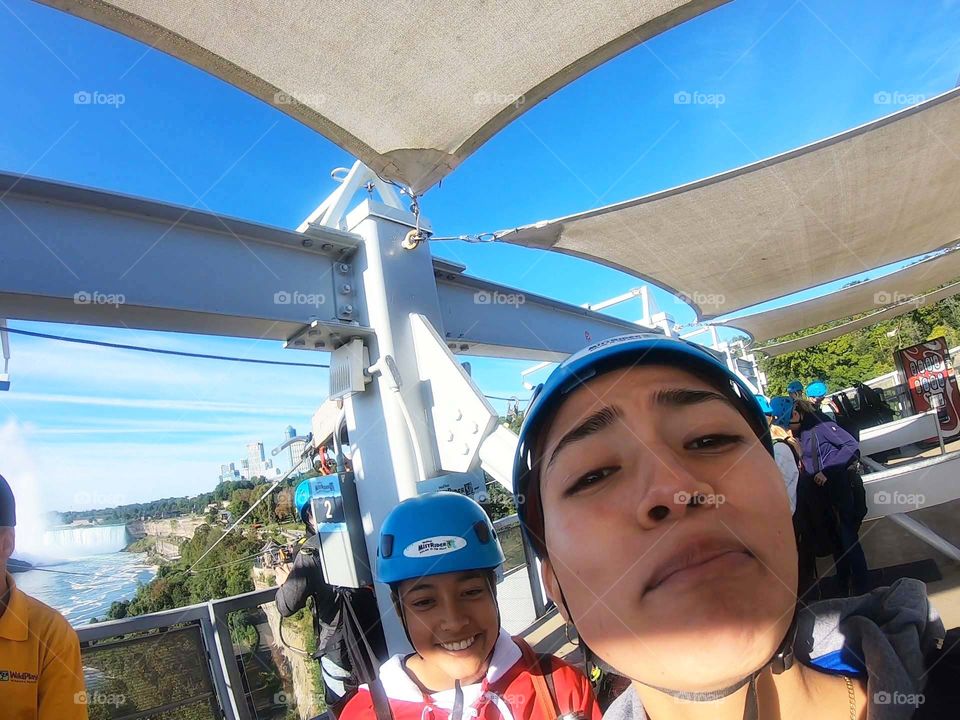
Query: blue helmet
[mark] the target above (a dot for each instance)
(436, 533)
(795, 386)
(817, 389)
(301, 497)
(764, 405)
(636, 349)
(782, 407)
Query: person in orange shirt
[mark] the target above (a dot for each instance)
(41, 677)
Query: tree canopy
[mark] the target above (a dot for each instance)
(864, 354)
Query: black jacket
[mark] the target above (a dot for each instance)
(305, 580)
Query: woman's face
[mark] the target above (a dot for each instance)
(453, 622)
(673, 593)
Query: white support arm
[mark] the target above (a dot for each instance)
(496, 455)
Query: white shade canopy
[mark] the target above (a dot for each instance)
(866, 321)
(895, 288)
(880, 193)
(409, 88)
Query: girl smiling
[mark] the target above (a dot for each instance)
(439, 554)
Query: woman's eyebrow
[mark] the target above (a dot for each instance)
(684, 397)
(602, 418)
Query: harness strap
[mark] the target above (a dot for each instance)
(381, 705)
(546, 698)
(457, 712)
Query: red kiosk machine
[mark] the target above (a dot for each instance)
(931, 382)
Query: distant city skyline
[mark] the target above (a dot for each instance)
(257, 464)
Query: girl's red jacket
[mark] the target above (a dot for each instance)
(506, 693)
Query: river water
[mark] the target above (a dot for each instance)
(83, 570)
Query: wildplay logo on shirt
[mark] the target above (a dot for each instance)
(17, 676)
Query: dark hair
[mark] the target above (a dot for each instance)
(307, 515)
(8, 505)
(809, 415)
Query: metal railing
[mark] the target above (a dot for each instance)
(210, 619)
(182, 663)
(519, 555)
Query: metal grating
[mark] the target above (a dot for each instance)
(159, 676)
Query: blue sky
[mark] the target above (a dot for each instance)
(92, 427)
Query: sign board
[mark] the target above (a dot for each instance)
(343, 553)
(931, 381)
(471, 484)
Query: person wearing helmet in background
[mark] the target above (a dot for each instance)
(304, 580)
(803, 504)
(782, 407)
(439, 554)
(832, 488)
(788, 459)
(795, 390)
(646, 484)
(816, 392)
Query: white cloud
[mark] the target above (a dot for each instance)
(18, 465)
(154, 404)
(95, 427)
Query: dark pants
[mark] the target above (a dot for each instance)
(807, 561)
(848, 556)
(826, 521)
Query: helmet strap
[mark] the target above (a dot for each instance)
(403, 618)
(585, 651)
(781, 661)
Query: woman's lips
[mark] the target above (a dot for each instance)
(699, 563)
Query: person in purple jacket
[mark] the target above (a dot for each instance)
(828, 470)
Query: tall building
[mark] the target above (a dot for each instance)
(296, 450)
(256, 460)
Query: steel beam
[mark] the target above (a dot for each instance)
(73, 254)
(486, 319)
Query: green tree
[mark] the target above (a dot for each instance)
(862, 354)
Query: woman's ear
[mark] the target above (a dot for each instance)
(552, 586)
